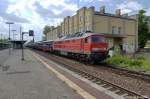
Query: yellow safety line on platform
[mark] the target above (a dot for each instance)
(79, 90)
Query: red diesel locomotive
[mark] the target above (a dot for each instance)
(89, 47)
(83, 46)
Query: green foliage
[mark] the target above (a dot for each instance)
(3, 40)
(44, 38)
(46, 29)
(140, 58)
(135, 62)
(115, 60)
(139, 63)
(148, 18)
(143, 28)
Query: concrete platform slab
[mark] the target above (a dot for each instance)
(29, 79)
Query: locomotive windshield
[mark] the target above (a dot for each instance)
(97, 39)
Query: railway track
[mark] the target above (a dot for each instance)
(127, 94)
(129, 73)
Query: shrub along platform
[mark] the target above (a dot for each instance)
(139, 64)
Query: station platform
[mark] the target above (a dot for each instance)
(39, 78)
(29, 79)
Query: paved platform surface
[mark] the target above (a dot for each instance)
(29, 79)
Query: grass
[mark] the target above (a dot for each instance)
(138, 64)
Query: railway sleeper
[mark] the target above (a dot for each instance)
(109, 87)
(116, 91)
(113, 88)
(121, 92)
(98, 82)
(124, 95)
(90, 78)
(94, 80)
(106, 86)
(102, 85)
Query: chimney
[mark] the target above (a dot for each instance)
(52, 27)
(92, 8)
(102, 9)
(68, 16)
(118, 12)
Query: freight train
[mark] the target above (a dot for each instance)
(87, 46)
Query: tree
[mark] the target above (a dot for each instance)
(44, 38)
(143, 28)
(46, 29)
(149, 27)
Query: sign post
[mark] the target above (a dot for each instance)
(31, 33)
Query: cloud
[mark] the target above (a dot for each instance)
(54, 12)
(9, 16)
(86, 0)
(148, 12)
(94, 0)
(129, 6)
(41, 12)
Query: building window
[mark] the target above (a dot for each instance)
(80, 18)
(119, 30)
(87, 27)
(81, 30)
(113, 29)
(86, 18)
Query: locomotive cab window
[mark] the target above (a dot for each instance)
(97, 39)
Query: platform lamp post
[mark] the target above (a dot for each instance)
(9, 23)
(13, 34)
(22, 34)
(1, 37)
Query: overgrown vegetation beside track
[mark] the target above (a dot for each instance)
(138, 64)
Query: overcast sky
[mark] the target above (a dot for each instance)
(35, 14)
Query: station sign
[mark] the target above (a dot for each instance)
(31, 33)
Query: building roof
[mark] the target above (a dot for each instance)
(113, 15)
(18, 41)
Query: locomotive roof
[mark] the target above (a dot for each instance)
(47, 41)
(77, 35)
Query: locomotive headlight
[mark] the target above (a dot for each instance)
(95, 49)
(98, 49)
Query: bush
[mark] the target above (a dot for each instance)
(113, 60)
(140, 58)
(139, 63)
(135, 62)
(116, 60)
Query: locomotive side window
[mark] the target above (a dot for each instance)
(97, 39)
(86, 40)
